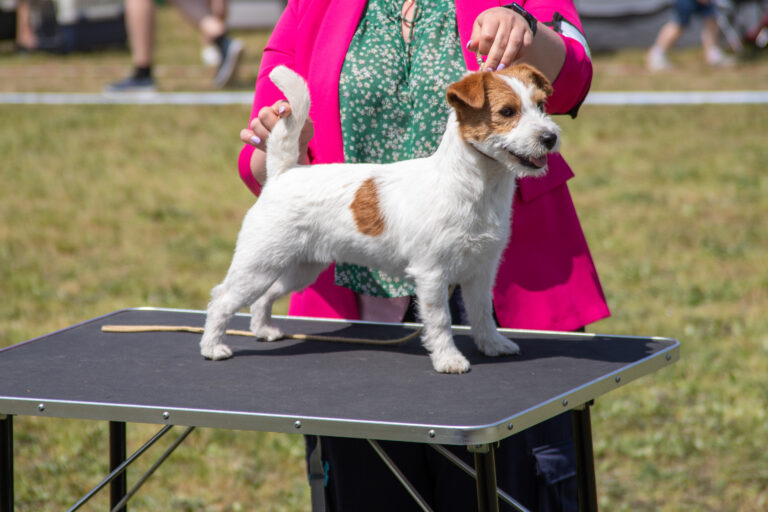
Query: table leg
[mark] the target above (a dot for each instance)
(485, 469)
(117, 454)
(6, 463)
(585, 458)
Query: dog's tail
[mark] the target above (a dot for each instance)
(283, 142)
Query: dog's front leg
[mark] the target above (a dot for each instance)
(478, 301)
(432, 294)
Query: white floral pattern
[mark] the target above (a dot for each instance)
(392, 101)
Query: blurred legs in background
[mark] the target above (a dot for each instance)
(210, 54)
(208, 16)
(669, 34)
(26, 40)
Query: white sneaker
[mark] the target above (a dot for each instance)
(656, 60)
(211, 56)
(717, 58)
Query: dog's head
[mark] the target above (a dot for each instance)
(502, 114)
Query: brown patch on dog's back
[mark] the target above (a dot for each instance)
(366, 209)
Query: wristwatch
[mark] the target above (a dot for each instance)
(532, 22)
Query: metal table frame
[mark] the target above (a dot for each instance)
(479, 441)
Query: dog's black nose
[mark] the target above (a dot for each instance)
(549, 139)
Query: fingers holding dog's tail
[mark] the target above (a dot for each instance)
(295, 89)
(284, 140)
(259, 129)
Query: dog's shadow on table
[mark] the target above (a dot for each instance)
(533, 347)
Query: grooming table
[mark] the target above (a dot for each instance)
(316, 388)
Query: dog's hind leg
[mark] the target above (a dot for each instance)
(293, 279)
(478, 301)
(432, 294)
(238, 290)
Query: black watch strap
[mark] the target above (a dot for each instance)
(532, 22)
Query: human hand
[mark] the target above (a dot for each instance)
(502, 35)
(261, 126)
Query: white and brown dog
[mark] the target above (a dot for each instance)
(438, 220)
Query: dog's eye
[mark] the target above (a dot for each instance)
(541, 106)
(507, 112)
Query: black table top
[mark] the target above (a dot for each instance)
(312, 387)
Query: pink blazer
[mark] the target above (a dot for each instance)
(547, 279)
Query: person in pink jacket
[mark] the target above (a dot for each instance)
(546, 280)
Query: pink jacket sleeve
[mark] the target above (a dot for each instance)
(572, 84)
(279, 50)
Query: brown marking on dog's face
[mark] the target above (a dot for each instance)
(531, 76)
(366, 211)
(485, 104)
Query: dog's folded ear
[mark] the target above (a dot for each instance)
(467, 92)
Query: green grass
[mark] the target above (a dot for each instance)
(625, 71)
(107, 207)
(674, 203)
(115, 207)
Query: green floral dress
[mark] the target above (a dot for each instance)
(392, 101)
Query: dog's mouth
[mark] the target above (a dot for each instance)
(533, 162)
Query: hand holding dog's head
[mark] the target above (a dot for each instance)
(502, 115)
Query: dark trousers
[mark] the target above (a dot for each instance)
(536, 467)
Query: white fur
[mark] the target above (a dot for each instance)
(447, 220)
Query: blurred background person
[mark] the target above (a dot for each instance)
(670, 33)
(140, 25)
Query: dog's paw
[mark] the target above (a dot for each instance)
(267, 332)
(450, 363)
(216, 352)
(498, 345)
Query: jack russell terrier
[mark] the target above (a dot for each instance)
(438, 220)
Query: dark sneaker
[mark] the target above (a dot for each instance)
(231, 52)
(132, 84)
